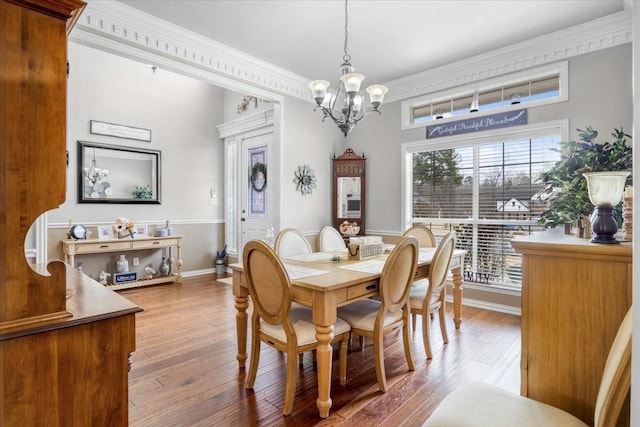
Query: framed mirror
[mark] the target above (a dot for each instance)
(117, 174)
(349, 199)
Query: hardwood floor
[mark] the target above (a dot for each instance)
(185, 371)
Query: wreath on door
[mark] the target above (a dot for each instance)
(259, 177)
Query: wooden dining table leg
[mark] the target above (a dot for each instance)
(324, 317)
(242, 302)
(457, 295)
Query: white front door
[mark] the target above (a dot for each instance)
(257, 191)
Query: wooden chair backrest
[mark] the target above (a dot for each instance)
(439, 266)
(330, 240)
(616, 378)
(268, 282)
(425, 236)
(398, 274)
(290, 242)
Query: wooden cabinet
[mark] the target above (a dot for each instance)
(71, 248)
(349, 185)
(65, 340)
(574, 296)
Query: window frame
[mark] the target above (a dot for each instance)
(531, 131)
(466, 91)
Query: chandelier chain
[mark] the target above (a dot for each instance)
(346, 57)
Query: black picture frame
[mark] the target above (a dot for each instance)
(117, 174)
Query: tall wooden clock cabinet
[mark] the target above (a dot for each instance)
(349, 185)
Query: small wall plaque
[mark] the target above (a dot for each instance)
(119, 131)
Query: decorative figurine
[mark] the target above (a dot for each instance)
(149, 272)
(124, 228)
(103, 277)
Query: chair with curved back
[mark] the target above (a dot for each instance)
(426, 239)
(275, 321)
(482, 405)
(330, 240)
(290, 242)
(425, 236)
(428, 298)
(375, 319)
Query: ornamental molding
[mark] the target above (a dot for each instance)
(123, 30)
(602, 33)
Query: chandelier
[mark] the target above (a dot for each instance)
(343, 104)
(94, 173)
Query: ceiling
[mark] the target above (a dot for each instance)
(388, 39)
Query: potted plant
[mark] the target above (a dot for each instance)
(565, 186)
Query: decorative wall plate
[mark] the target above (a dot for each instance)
(305, 179)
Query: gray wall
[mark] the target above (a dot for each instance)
(599, 96)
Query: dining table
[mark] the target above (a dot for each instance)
(322, 282)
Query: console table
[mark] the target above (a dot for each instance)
(71, 248)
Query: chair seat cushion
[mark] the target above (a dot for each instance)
(303, 324)
(417, 294)
(362, 314)
(482, 405)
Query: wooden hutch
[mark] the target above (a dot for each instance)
(65, 340)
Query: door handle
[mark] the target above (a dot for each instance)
(242, 219)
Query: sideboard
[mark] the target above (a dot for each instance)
(71, 248)
(574, 296)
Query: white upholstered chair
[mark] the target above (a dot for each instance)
(428, 296)
(290, 242)
(275, 321)
(330, 240)
(375, 319)
(483, 405)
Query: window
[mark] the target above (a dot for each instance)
(485, 189)
(543, 85)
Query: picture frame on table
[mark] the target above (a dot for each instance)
(105, 232)
(141, 230)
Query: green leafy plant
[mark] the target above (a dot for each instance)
(144, 193)
(566, 187)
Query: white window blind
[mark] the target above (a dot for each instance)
(231, 197)
(486, 193)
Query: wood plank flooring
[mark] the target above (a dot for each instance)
(185, 371)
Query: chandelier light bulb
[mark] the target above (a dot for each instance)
(352, 82)
(319, 89)
(376, 94)
(357, 104)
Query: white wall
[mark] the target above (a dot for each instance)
(182, 114)
(599, 96)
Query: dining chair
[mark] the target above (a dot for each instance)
(330, 240)
(425, 299)
(291, 242)
(377, 318)
(275, 321)
(482, 405)
(425, 236)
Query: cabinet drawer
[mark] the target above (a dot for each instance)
(102, 247)
(160, 243)
(362, 289)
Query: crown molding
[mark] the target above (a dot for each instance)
(255, 121)
(123, 30)
(602, 33)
